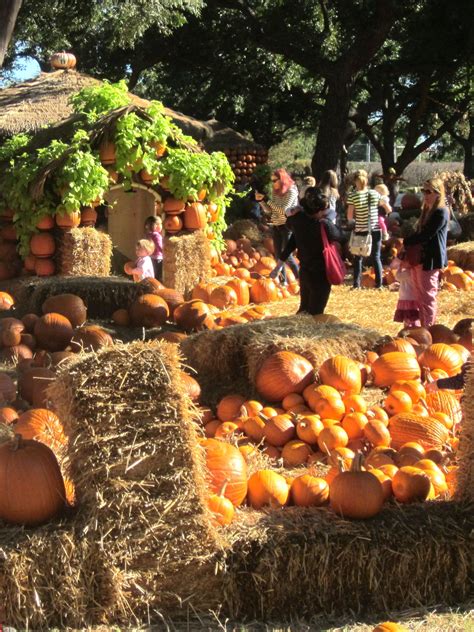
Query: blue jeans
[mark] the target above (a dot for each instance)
(281, 236)
(375, 260)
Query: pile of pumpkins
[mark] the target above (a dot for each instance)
(402, 449)
(244, 159)
(188, 215)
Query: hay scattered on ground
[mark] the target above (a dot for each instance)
(186, 261)
(244, 228)
(102, 295)
(84, 252)
(297, 563)
(465, 478)
(226, 360)
(463, 255)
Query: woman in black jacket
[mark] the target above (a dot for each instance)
(430, 238)
(305, 225)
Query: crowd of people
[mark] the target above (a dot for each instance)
(362, 220)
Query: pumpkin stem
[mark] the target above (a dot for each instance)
(17, 442)
(356, 465)
(263, 417)
(223, 488)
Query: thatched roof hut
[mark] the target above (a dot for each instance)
(30, 106)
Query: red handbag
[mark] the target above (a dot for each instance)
(335, 268)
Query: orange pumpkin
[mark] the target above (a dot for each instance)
(282, 373)
(53, 332)
(441, 356)
(221, 508)
(295, 452)
(241, 289)
(410, 484)
(42, 245)
(342, 373)
(394, 366)
(42, 425)
(309, 491)
(90, 338)
(266, 487)
(278, 430)
(66, 221)
(194, 216)
(226, 464)
(356, 494)
(223, 297)
(149, 310)
(229, 407)
(68, 305)
(263, 291)
(428, 432)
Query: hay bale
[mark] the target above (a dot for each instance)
(298, 563)
(463, 255)
(244, 228)
(186, 260)
(84, 252)
(102, 295)
(226, 360)
(139, 477)
(465, 478)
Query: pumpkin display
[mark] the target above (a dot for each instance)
(194, 216)
(267, 488)
(278, 430)
(393, 366)
(193, 315)
(441, 356)
(263, 291)
(223, 297)
(226, 464)
(411, 484)
(90, 338)
(282, 373)
(68, 305)
(31, 486)
(309, 491)
(342, 373)
(427, 431)
(53, 331)
(149, 310)
(357, 493)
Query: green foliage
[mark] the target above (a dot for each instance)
(96, 100)
(11, 146)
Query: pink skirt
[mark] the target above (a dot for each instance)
(406, 311)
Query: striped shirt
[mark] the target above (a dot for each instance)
(362, 201)
(281, 205)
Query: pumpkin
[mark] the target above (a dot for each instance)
(282, 373)
(32, 380)
(278, 430)
(445, 402)
(253, 428)
(413, 388)
(329, 407)
(309, 491)
(31, 486)
(90, 338)
(7, 388)
(53, 331)
(420, 334)
(6, 301)
(356, 494)
(223, 297)
(385, 481)
(342, 373)
(88, 216)
(354, 403)
(266, 487)
(441, 356)
(44, 267)
(394, 366)
(172, 297)
(410, 484)
(389, 626)
(149, 310)
(194, 216)
(191, 386)
(221, 508)
(172, 224)
(406, 427)
(398, 344)
(353, 424)
(332, 437)
(442, 334)
(62, 61)
(241, 289)
(295, 452)
(409, 453)
(68, 305)
(172, 206)
(107, 153)
(8, 415)
(174, 337)
(193, 315)
(226, 464)
(263, 291)
(375, 431)
(66, 221)
(308, 428)
(121, 317)
(397, 402)
(42, 425)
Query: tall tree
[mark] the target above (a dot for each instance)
(8, 15)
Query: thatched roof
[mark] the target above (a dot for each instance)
(29, 106)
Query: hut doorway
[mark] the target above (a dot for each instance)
(127, 213)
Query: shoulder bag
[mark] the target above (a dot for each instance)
(361, 245)
(335, 268)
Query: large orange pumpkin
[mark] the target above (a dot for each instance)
(42, 245)
(342, 373)
(223, 297)
(149, 310)
(394, 366)
(407, 427)
(226, 464)
(445, 402)
(266, 487)
(90, 338)
(194, 216)
(68, 305)
(193, 315)
(441, 356)
(241, 289)
(282, 373)
(42, 425)
(31, 486)
(263, 291)
(356, 494)
(410, 484)
(309, 491)
(53, 332)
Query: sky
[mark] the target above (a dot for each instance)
(25, 69)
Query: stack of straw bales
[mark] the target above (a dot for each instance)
(84, 252)
(465, 479)
(226, 361)
(186, 260)
(463, 255)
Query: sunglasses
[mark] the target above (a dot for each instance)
(428, 191)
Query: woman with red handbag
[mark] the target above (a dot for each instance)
(310, 229)
(429, 243)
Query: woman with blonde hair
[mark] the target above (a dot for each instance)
(329, 186)
(427, 248)
(363, 207)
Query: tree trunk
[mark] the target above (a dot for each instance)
(8, 14)
(332, 126)
(468, 148)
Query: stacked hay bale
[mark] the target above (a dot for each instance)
(186, 261)
(465, 478)
(463, 255)
(84, 252)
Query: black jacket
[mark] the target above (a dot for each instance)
(433, 238)
(306, 236)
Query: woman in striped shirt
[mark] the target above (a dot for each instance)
(362, 206)
(284, 200)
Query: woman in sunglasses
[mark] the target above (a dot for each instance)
(284, 199)
(427, 248)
